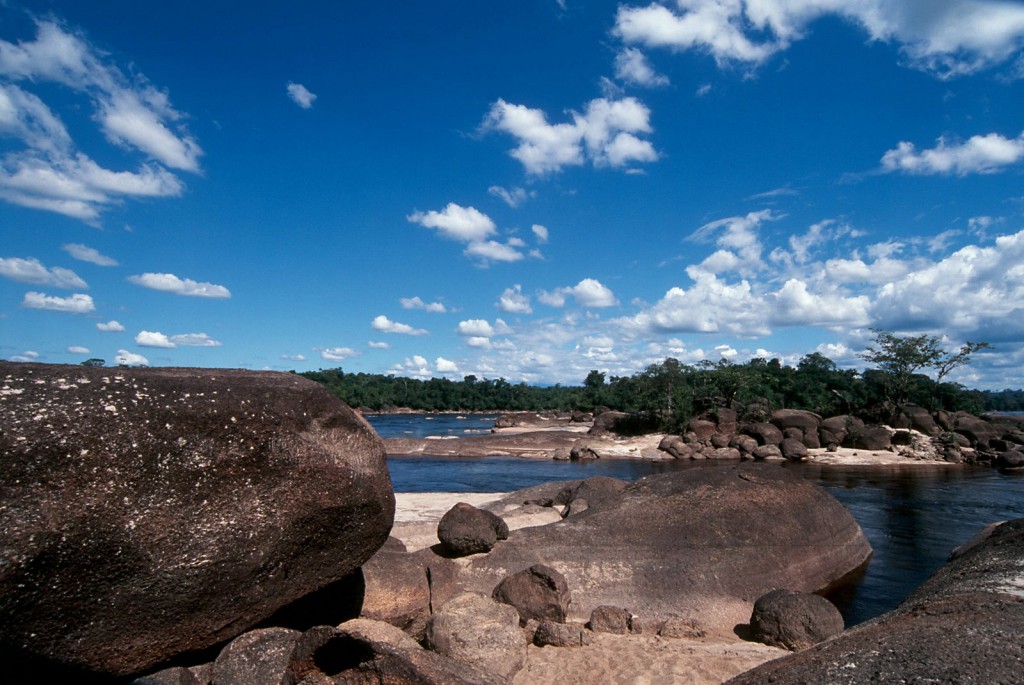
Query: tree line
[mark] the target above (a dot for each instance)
(668, 393)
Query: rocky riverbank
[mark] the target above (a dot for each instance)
(215, 527)
(909, 435)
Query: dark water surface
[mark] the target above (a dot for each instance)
(912, 516)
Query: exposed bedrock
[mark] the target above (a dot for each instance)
(149, 512)
(699, 544)
(963, 625)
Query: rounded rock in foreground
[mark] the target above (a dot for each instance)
(540, 592)
(466, 530)
(794, 620)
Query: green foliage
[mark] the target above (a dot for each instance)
(668, 394)
(95, 361)
(901, 358)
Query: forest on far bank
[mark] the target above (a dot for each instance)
(670, 392)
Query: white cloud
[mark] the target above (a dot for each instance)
(978, 155)
(26, 356)
(294, 357)
(157, 339)
(947, 38)
(740, 244)
(541, 233)
(709, 306)
(417, 303)
(445, 366)
(169, 283)
(153, 339)
(84, 253)
(606, 134)
(195, 340)
(78, 349)
(375, 345)
(110, 327)
(457, 222)
(513, 301)
(631, 66)
(126, 358)
(492, 250)
(513, 197)
(588, 293)
(413, 367)
(300, 95)
(479, 341)
(476, 328)
(32, 271)
(47, 173)
(337, 354)
(76, 304)
(385, 325)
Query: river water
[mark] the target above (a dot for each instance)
(913, 516)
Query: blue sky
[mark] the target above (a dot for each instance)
(525, 189)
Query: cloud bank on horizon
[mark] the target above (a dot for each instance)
(552, 187)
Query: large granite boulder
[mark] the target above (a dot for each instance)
(148, 512)
(700, 543)
(963, 625)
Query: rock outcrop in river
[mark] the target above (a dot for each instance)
(148, 512)
(964, 625)
(700, 544)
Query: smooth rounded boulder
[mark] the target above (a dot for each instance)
(700, 543)
(794, 620)
(150, 512)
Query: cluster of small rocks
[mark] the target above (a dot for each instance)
(909, 430)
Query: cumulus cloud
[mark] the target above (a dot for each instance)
(978, 155)
(541, 233)
(110, 327)
(76, 304)
(300, 95)
(738, 241)
(632, 66)
(337, 354)
(153, 339)
(126, 358)
(47, 172)
(493, 251)
(378, 345)
(385, 325)
(475, 328)
(445, 365)
(513, 301)
(417, 303)
(84, 253)
(195, 340)
(169, 283)
(606, 134)
(78, 349)
(946, 38)
(294, 357)
(32, 271)
(588, 293)
(457, 222)
(416, 366)
(157, 339)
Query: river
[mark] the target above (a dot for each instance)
(912, 516)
